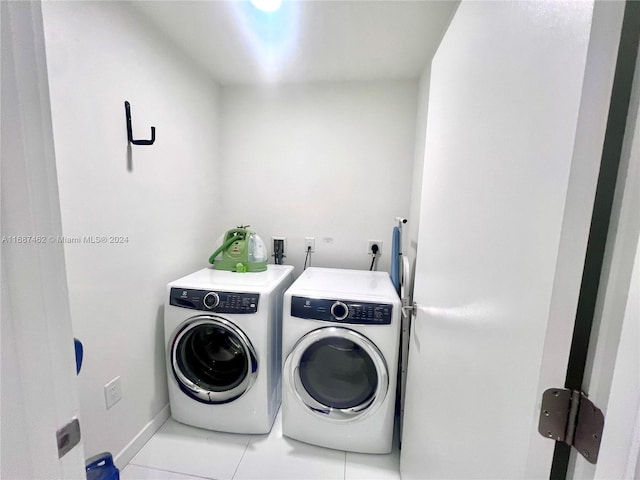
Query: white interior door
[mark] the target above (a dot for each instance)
(517, 113)
(39, 389)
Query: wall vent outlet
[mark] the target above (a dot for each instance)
(281, 240)
(279, 245)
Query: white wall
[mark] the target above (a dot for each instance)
(330, 161)
(163, 199)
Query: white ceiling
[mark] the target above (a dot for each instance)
(305, 41)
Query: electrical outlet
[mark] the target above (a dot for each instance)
(310, 242)
(372, 243)
(113, 392)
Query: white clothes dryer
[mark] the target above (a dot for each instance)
(223, 337)
(341, 332)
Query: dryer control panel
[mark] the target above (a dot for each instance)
(343, 311)
(215, 302)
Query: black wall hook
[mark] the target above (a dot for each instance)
(127, 109)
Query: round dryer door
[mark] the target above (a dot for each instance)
(338, 373)
(212, 359)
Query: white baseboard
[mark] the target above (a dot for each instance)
(123, 458)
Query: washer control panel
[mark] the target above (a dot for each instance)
(215, 302)
(343, 311)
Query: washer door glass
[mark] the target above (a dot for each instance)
(213, 360)
(338, 372)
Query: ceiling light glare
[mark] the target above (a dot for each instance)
(267, 5)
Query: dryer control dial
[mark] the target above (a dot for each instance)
(211, 300)
(339, 310)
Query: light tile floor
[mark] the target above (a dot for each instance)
(181, 452)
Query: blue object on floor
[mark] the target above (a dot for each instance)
(79, 353)
(101, 467)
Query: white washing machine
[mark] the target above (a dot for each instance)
(341, 333)
(224, 348)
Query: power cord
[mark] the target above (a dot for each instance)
(374, 250)
(307, 258)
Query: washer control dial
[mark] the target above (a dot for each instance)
(339, 310)
(211, 300)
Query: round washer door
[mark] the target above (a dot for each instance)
(212, 359)
(338, 373)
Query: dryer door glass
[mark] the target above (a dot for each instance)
(213, 360)
(338, 373)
